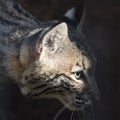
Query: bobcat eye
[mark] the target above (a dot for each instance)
(78, 74)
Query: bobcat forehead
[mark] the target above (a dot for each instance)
(76, 68)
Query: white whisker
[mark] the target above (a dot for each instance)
(72, 113)
(61, 110)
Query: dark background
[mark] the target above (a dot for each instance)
(102, 31)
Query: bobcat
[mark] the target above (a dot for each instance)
(46, 60)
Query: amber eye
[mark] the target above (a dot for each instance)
(78, 74)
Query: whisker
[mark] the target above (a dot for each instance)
(78, 113)
(93, 112)
(28, 97)
(72, 113)
(84, 114)
(60, 111)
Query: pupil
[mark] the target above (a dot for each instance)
(79, 74)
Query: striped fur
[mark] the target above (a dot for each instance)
(49, 60)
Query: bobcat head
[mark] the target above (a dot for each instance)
(55, 63)
(58, 66)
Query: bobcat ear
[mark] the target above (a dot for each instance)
(70, 14)
(52, 37)
(76, 15)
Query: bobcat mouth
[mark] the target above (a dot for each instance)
(78, 102)
(81, 102)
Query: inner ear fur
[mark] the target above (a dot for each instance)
(52, 35)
